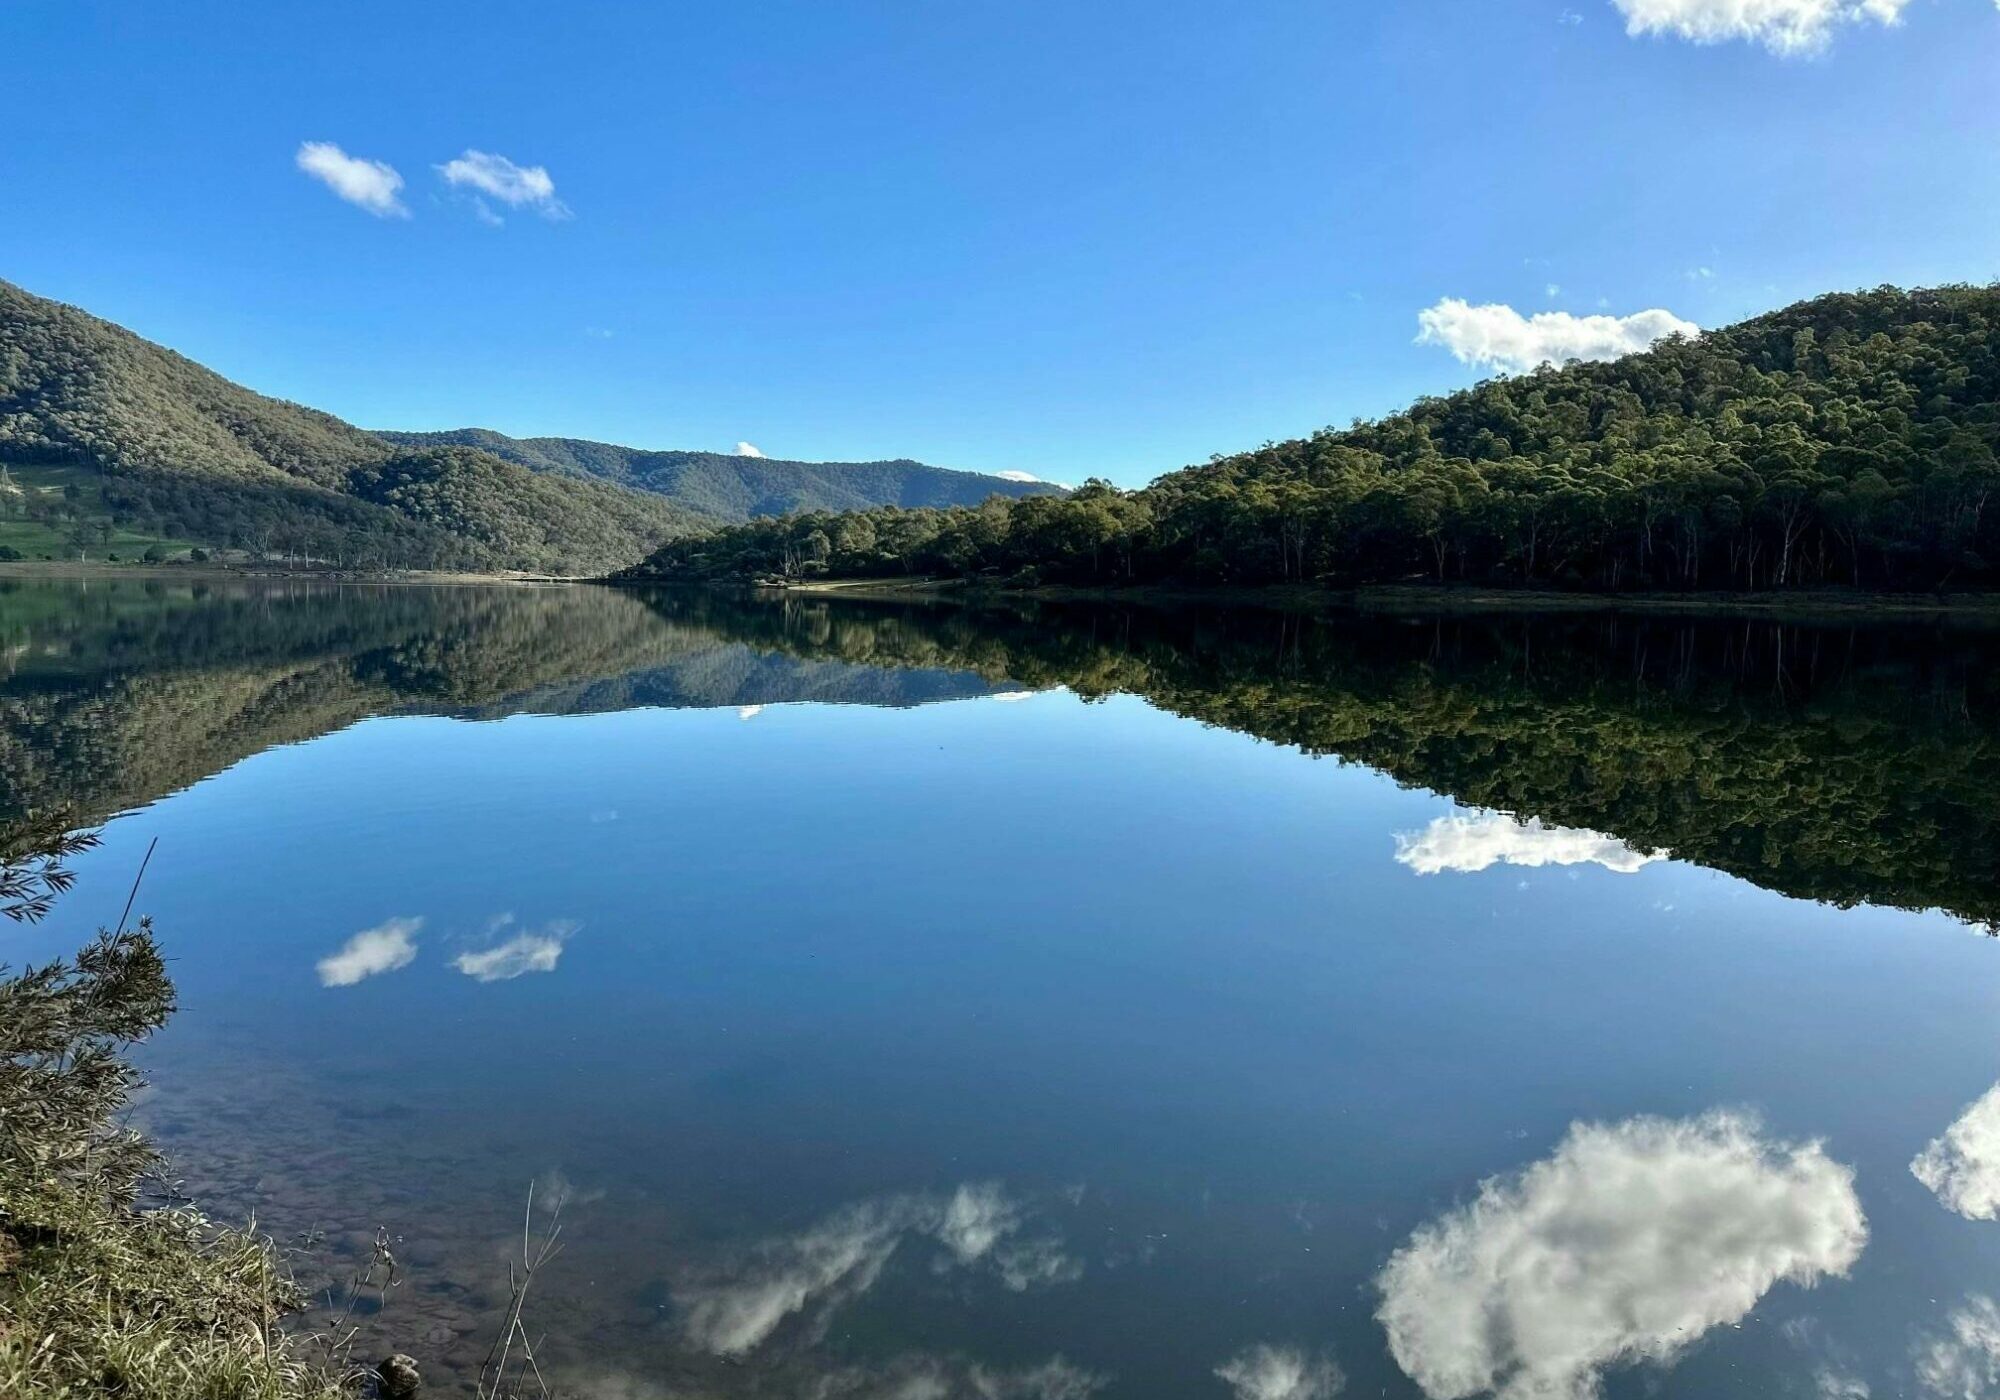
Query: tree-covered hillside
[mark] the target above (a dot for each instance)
(1848, 440)
(735, 488)
(154, 443)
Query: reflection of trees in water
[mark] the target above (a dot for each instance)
(119, 691)
(1846, 763)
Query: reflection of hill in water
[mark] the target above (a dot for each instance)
(120, 691)
(1852, 763)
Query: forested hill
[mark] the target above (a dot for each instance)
(1847, 440)
(735, 488)
(109, 441)
(103, 432)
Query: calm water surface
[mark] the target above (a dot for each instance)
(1048, 1004)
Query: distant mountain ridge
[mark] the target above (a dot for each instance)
(729, 487)
(110, 442)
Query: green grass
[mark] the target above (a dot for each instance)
(99, 1299)
(51, 539)
(98, 1295)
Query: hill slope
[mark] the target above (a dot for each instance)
(1850, 439)
(146, 437)
(737, 488)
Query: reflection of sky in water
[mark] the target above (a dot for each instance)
(1052, 1049)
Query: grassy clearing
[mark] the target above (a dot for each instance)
(54, 511)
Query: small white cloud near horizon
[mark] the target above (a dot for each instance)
(1265, 1372)
(1466, 844)
(1785, 27)
(1496, 336)
(366, 184)
(530, 950)
(516, 186)
(747, 712)
(748, 449)
(1017, 476)
(1962, 1168)
(384, 948)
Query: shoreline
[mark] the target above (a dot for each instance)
(98, 569)
(1803, 605)
(1394, 598)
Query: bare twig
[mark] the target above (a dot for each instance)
(534, 1254)
(148, 860)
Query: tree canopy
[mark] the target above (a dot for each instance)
(1848, 440)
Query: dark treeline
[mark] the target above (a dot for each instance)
(1849, 441)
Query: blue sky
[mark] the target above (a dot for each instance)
(1066, 238)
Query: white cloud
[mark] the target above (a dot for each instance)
(748, 449)
(1011, 697)
(1502, 338)
(1466, 844)
(1626, 1244)
(530, 950)
(1035, 1263)
(977, 1217)
(1964, 1362)
(383, 948)
(944, 1378)
(1281, 1373)
(1055, 1379)
(749, 711)
(1017, 476)
(838, 1259)
(517, 186)
(1962, 1168)
(368, 184)
(1782, 26)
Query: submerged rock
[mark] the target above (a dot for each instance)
(400, 1378)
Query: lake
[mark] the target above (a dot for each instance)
(1038, 1003)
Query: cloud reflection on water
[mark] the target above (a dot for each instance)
(839, 1258)
(1464, 844)
(1266, 1372)
(1963, 1361)
(1962, 1168)
(384, 948)
(530, 950)
(1626, 1244)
